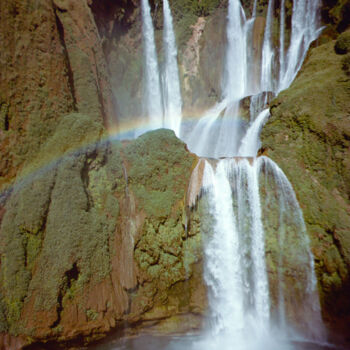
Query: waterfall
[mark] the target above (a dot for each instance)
(251, 143)
(282, 34)
(222, 252)
(235, 78)
(254, 8)
(221, 125)
(171, 82)
(268, 54)
(305, 29)
(242, 195)
(293, 253)
(249, 263)
(153, 96)
(235, 269)
(248, 260)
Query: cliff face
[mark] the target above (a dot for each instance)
(105, 242)
(51, 64)
(308, 136)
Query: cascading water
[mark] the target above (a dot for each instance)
(268, 54)
(241, 282)
(249, 265)
(162, 97)
(282, 36)
(171, 81)
(305, 29)
(250, 144)
(222, 125)
(153, 96)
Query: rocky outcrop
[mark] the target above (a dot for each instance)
(308, 136)
(90, 77)
(105, 243)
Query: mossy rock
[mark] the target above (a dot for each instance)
(310, 123)
(345, 64)
(158, 172)
(342, 45)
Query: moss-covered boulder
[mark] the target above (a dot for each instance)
(308, 136)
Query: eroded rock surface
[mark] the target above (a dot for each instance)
(104, 243)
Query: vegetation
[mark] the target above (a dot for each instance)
(346, 64)
(342, 45)
(311, 118)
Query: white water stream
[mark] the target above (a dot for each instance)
(171, 81)
(153, 95)
(162, 94)
(242, 315)
(236, 271)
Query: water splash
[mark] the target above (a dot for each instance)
(171, 82)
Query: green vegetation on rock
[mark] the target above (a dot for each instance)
(159, 167)
(342, 45)
(308, 136)
(345, 64)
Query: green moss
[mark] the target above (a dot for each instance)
(309, 124)
(4, 118)
(158, 172)
(345, 64)
(3, 313)
(342, 45)
(92, 314)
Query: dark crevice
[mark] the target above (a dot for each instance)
(25, 244)
(84, 174)
(59, 310)
(72, 275)
(67, 62)
(6, 122)
(4, 111)
(113, 19)
(100, 96)
(336, 242)
(69, 277)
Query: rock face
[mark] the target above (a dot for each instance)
(51, 64)
(308, 136)
(106, 234)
